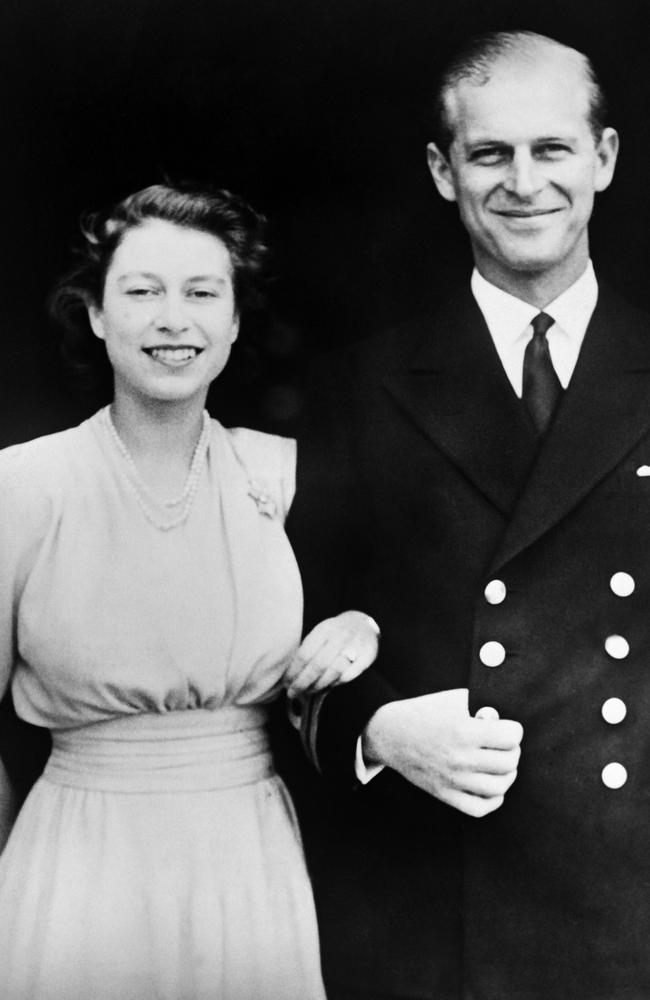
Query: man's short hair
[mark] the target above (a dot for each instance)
(474, 62)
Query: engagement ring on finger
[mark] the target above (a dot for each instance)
(349, 655)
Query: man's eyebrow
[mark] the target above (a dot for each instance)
(566, 139)
(492, 143)
(505, 144)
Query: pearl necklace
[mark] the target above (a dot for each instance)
(178, 508)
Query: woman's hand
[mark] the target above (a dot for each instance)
(336, 651)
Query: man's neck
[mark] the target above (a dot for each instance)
(537, 289)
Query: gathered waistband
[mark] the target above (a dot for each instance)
(183, 751)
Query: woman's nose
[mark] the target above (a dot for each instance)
(172, 315)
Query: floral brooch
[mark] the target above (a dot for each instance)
(266, 505)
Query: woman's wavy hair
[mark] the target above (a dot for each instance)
(212, 210)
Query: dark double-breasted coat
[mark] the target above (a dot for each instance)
(521, 572)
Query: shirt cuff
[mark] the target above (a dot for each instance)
(365, 772)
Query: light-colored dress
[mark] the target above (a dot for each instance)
(158, 856)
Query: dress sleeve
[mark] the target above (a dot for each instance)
(24, 507)
(288, 481)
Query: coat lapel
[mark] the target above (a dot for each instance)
(456, 391)
(603, 414)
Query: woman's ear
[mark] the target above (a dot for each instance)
(234, 329)
(96, 319)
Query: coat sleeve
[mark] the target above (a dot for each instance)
(326, 528)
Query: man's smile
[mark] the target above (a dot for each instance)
(525, 213)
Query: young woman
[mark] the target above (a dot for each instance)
(150, 610)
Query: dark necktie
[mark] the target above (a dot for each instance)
(541, 386)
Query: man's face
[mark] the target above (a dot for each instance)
(524, 167)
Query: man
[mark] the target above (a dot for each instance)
(479, 482)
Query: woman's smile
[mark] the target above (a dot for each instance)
(173, 357)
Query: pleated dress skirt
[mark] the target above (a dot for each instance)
(158, 858)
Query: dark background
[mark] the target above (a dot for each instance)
(312, 109)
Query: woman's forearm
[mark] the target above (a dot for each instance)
(7, 806)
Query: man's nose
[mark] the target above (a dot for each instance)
(172, 315)
(524, 178)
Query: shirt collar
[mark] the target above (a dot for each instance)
(508, 317)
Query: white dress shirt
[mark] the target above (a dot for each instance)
(509, 321)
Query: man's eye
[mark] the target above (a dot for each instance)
(488, 157)
(552, 150)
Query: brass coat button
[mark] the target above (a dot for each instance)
(492, 654)
(614, 775)
(614, 711)
(622, 584)
(495, 592)
(617, 646)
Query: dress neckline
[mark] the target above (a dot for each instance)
(161, 514)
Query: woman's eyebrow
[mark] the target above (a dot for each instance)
(137, 274)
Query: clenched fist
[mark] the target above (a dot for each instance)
(433, 742)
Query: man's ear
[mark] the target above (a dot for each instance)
(607, 151)
(96, 320)
(441, 172)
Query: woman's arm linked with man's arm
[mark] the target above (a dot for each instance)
(431, 740)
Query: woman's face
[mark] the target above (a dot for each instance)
(168, 313)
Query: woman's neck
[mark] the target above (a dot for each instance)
(161, 438)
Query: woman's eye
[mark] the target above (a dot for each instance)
(202, 294)
(141, 292)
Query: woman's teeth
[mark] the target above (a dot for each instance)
(173, 355)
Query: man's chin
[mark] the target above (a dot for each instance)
(532, 260)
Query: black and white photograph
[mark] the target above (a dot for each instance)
(325, 500)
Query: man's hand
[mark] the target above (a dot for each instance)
(433, 742)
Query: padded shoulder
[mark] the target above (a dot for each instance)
(270, 463)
